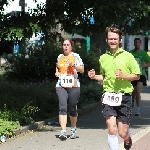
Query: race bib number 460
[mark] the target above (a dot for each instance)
(112, 99)
(67, 80)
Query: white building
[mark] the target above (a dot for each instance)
(14, 5)
(128, 42)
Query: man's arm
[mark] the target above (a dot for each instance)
(146, 60)
(130, 77)
(146, 64)
(92, 75)
(99, 77)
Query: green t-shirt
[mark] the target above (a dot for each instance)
(141, 57)
(110, 63)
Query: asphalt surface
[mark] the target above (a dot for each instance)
(91, 132)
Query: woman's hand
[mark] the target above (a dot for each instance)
(70, 63)
(57, 74)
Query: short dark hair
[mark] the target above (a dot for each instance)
(137, 39)
(114, 28)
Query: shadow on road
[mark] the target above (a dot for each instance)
(146, 89)
(95, 120)
(144, 118)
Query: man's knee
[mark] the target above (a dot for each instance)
(112, 131)
(138, 89)
(123, 134)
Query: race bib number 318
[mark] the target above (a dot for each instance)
(112, 99)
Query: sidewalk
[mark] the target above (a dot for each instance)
(91, 132)
(143, 137)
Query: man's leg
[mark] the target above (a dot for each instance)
(112, 129)
(134, 84)
(123, 130)
(133, 96)
(124, 117)
(138, 97)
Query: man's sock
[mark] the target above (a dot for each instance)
(113, 142)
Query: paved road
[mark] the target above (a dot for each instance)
(91, 131)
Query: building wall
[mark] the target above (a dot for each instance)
(128, 41)
(128, 44)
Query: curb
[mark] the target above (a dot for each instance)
(39, 124)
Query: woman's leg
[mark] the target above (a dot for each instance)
(62, 96)
(73, 95)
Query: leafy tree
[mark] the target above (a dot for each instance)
(130, 15)
(127, 14)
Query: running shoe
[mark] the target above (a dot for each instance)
(63, 135)
(73, 134)
(128, 143)
(137, 112)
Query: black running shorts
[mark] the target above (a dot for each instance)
(122, 113)
(142, 79)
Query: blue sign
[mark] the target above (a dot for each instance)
(16, 48)
(92, 20)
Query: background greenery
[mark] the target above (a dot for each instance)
(132, 16)
(27, 85)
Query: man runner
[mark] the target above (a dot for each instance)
(143, 60)
(117, 69)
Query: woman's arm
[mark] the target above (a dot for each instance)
(57, 72)
(79, 68)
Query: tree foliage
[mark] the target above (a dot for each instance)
(130, 15)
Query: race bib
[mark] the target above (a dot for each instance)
(112, 99)
(139, 63)
(67, 80)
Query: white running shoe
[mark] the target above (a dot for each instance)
(63, 135)
(73, 134)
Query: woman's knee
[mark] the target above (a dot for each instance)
(63, 111)
(73, 113)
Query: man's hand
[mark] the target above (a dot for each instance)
(91, 73)
(145, 64)
(119, 74)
